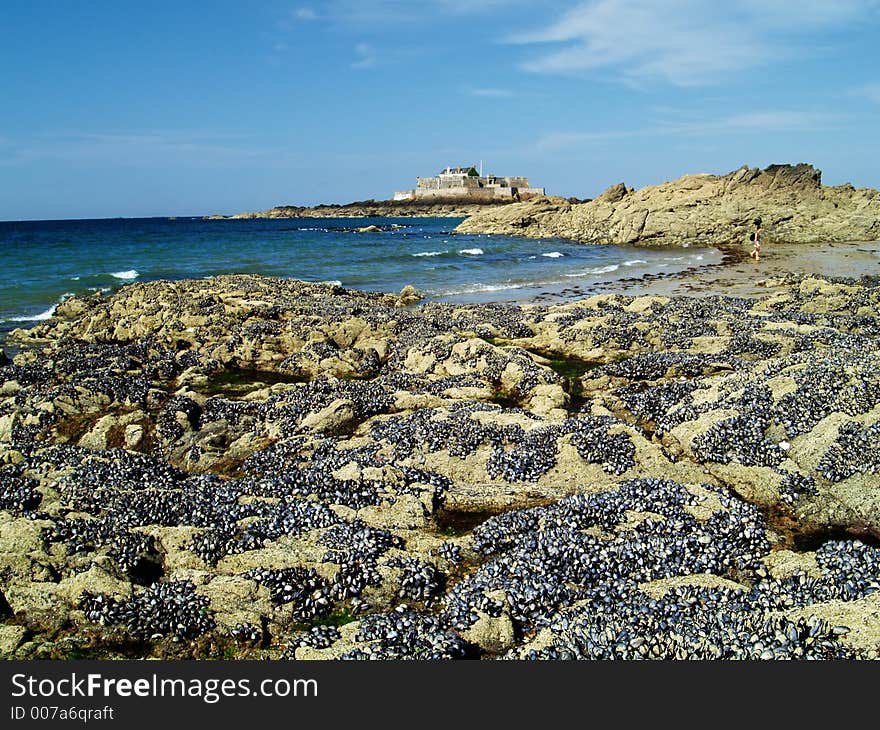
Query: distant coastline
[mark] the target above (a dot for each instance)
(434, 208)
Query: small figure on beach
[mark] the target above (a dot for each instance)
(756, 240)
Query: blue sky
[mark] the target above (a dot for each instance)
(171, 108)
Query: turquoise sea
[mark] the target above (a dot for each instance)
(45, 261)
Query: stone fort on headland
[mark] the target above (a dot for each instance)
(467, 183)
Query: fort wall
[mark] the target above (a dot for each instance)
(458, 183)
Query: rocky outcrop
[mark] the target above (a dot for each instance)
(278, 469)
(791, 201)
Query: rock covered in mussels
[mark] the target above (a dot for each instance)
(304, 471)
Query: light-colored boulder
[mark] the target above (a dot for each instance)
(334, 418)
(11, 637)
(492, 633)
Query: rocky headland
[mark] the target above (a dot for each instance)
(708, 209)
(437, 208)
(250, 467)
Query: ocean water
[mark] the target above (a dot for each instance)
(45, 261)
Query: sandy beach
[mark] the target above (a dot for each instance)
(736, 274)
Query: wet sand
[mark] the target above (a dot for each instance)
(738, 274)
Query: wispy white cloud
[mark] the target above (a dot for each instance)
(642, 40)
(365, 56)
(785, 14)
(683, 42)
(871, 92)
(567, 140)
(491, 93)
(768, 121)
(774, 121)
(467, 7)
(384, 12)
(304, 14)
(296, 17)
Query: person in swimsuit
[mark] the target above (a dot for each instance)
(756, 240)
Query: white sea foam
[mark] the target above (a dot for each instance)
(475, 288)
(633, 262)
(34, 317)
(74, 278)
(471, 252)
(331, 282)
(430, 253)
(598, 270)
(127, 275)
(42, 315)
(553, 255)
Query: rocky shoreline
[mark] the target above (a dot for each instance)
(241, 466)
(710, 209)
(452, 208)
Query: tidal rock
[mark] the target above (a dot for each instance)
(409, 295)
(259, 460)
(492, 633)
(790, 199)
(337, 416)
(11, 637)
